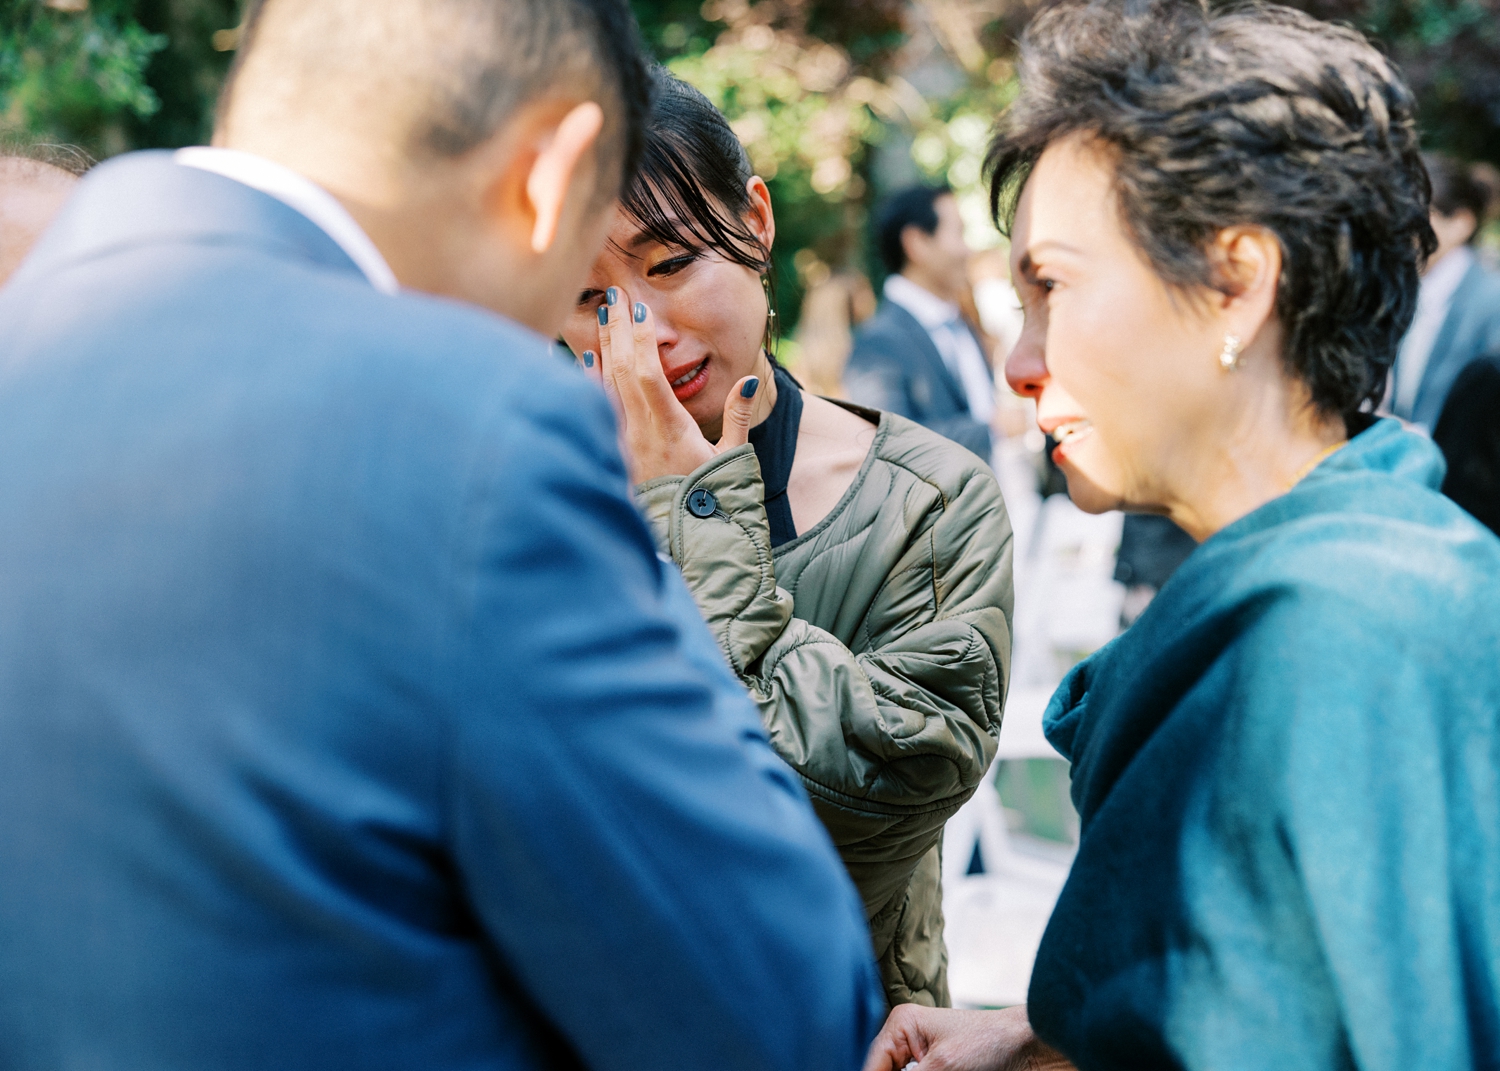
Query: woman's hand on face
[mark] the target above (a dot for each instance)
(658, 436)
(941, 1039)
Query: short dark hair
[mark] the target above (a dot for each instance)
(1457, 186)
(691, 188)
(495, 56)
(67, 158)
(914, 206)
(1255, 115)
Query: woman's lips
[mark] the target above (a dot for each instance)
(1068, 434)
(691, 381)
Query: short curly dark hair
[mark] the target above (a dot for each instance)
(1256, 114)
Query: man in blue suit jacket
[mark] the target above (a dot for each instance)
(1458, 309)
(916, 356)
(348, 718)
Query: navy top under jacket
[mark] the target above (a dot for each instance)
(348, 718)
(1288, 778)
(896, 367)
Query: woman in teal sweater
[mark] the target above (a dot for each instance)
(1288, 770)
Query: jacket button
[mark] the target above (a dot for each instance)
(702, 503)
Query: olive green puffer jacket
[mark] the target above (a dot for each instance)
(877, 645)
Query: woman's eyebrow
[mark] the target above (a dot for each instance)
(1045, 244)
(1026, 265)
(648, 234)
(673, 225)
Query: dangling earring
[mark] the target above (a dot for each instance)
(1229, 356)
(765, 284)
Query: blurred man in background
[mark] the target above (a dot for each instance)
(348, 718)
(1458, 308)
(917, 356)
(35, 181)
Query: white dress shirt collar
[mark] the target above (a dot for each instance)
(1434, 299)
(300, 193)
(929, 309)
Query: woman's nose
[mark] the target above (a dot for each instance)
(1026, 367)
(667, 335)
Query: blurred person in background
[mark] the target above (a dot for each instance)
(348, 716)
(854, 566)
(1468, 433)
(1151, 549)
(917, 356)
(831, 311)
(35, 183)
(1458, 307)
(1285, 770)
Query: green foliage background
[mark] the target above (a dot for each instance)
(813, 87)
(1448, 49)
(112, 75)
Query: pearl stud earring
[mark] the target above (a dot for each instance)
(1229, 356)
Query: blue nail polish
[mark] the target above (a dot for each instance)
(612, 296)
(603, 315)
(640, 313)
(588, 358)
(751, 386)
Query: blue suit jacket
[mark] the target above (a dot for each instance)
(896, 367)
(347, 716)
(1470, 330)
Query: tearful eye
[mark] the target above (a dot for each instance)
(673, 265)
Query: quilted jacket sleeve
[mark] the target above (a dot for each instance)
(890, 738)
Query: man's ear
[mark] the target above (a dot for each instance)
(529, 170)
(913, 244)
(556, 167)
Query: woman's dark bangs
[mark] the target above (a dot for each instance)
(673, 209)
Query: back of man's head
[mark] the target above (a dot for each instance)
(477, 142)
(439, 77)
(911, 207)
(35, 180)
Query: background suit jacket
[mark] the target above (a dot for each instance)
(896, 367)
(1470, 330)
(348, 718)
(1468, 433)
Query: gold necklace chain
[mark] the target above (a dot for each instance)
(1315, 462)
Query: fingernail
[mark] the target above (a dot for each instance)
(588, 358)
(751, 386)
(612, 296)
(603, 315)
(640, 313)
